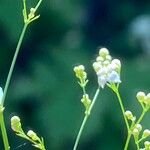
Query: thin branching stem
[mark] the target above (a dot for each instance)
(85, 119)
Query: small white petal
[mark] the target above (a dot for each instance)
(1, 95)
(102, 81)
(102, 71)
(114, 77)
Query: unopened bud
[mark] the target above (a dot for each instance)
(32, 135)
(15, 124)
(146, 133)
(129, 115)
(103, 52)
(140, 96)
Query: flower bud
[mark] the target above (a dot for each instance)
(103, 52)
(147, 145)
(79, 71)
(146, 133)
(1, 95)
(86, 102)
(129, 115)
(140, 96)
(135, 132)
(32, 13)
(16, 124)
(108, 57)
(147, 99)
(32, 135)
(99, 59)
(138, 127)
(97, 66)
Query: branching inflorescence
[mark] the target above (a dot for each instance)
(108, 73)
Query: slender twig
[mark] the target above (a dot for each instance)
(85, 119)
(13, 63)
(3, 129)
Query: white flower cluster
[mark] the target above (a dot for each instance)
(107, 70)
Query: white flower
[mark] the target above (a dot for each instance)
(114, 77)
(1, 95)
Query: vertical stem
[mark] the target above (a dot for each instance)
(13, 62)
(3, 129)
(85, 119)
(127, 141)
(80, 132)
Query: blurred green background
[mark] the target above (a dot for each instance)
(44, 91)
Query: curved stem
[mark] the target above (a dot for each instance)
(3, 129)
(85, 119)
(13, 63)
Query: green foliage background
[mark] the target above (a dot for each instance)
(44, 91)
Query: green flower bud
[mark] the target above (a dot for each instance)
(108, 57)
(32, 135)
(138, 127)
(147, 145)
(103, 52)
(16, 124)
(99, 59)
(135, 132)
(97, 66)
(146, 133)
(129, 115)
(79, 71)
(147, 99)
(140, 96)
(32, 13)
(86, 102)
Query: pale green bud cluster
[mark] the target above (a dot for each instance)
(128, 114)
(30, 136)
(136, 131)
(147, 145)
(144, 99)
(86, 102)
(107, 70)
(81, 75)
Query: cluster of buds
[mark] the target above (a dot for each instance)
(81, 75)
(136, 131)
(106, 68)
(128, 114)
(31, 135)
(144, 99)
(87, 103)
(146, 145)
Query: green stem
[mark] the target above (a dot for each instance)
(38, 4)
(142, 116)
(13, 63)
(122, 109)
(85, 120)
(3, 129)
(127, 141)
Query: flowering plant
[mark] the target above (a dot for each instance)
(108, 71)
